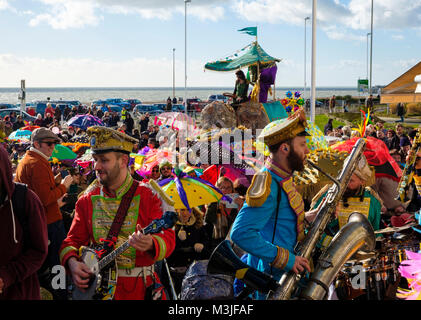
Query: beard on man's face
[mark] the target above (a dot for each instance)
(295, 162)
(106, 178)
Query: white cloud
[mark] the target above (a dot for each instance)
(4, 4)
(397, 37)
(64, 14)
(334, 16)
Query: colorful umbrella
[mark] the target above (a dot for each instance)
(84, 121)
(30, 128)
(153, 157)
(63, 153)
(177, 121)
(20, 134)
(188, 192)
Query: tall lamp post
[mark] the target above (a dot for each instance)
(371, 47)
(173, 72)
(305, 55)
(313, 64)
(368, 34)
(185, 55)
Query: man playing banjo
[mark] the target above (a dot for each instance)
(95, 220)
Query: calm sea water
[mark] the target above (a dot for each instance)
(87, 95)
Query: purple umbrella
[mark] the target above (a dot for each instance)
(84, 121)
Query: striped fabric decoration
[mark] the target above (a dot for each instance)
(162, 247)
(294, 198)
(281, 259)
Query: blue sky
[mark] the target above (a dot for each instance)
(59, 43)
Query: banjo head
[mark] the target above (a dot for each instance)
(91, 260)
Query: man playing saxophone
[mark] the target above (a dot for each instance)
(271, 222)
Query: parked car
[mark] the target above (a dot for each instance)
(133, 102)
(118, 102)
(218, 97)
(178, 108)
(194, 104)
(25, 115)
(99, 102)
(152, 109)
(40, 107)
(7, 106)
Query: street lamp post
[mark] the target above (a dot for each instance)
(185, 55)
(368, 34)
(371, 47)
(305, 55)
(173, 72)
(313, 64)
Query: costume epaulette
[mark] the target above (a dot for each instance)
(259, 189)
(319, 194)
(375, 194)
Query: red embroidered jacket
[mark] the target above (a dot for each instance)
(92, 222)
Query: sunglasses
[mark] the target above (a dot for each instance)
(49, 143)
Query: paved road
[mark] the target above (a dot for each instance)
(407, 120)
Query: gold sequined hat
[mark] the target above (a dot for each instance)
(285, 129)
(103, 139)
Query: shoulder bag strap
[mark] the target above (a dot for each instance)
(121, 212)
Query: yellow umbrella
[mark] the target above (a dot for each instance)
(188, 192)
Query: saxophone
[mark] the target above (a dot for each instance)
(409, 169)
(289, 281)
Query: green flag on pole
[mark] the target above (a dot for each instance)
(249, 30)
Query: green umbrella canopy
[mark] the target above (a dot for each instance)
(63, 153)
(252, 56)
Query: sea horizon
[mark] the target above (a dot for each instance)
(150, 94)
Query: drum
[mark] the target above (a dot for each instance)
(354, 277)
(199, 285)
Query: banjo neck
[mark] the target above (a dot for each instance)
(167, 221)
(112, 255)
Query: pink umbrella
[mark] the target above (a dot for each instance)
(177, 121)
(154, 157)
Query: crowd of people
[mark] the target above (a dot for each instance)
(73, 205)
(59, 185)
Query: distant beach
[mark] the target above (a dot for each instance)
(87, 95)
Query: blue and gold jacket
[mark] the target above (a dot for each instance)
(253, 229)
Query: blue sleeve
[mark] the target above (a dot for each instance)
(250, 221)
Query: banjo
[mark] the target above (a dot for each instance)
(103, 282)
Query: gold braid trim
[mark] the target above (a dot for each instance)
(281, 259)
(259, 189)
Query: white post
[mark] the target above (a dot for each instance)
(305, 56)
(367, 55)
(371, 48)
(313, 64)
(22, 96)
(185, 55)
(173, 72)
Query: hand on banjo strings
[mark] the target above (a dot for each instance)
(81, 274)
(141, 241)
